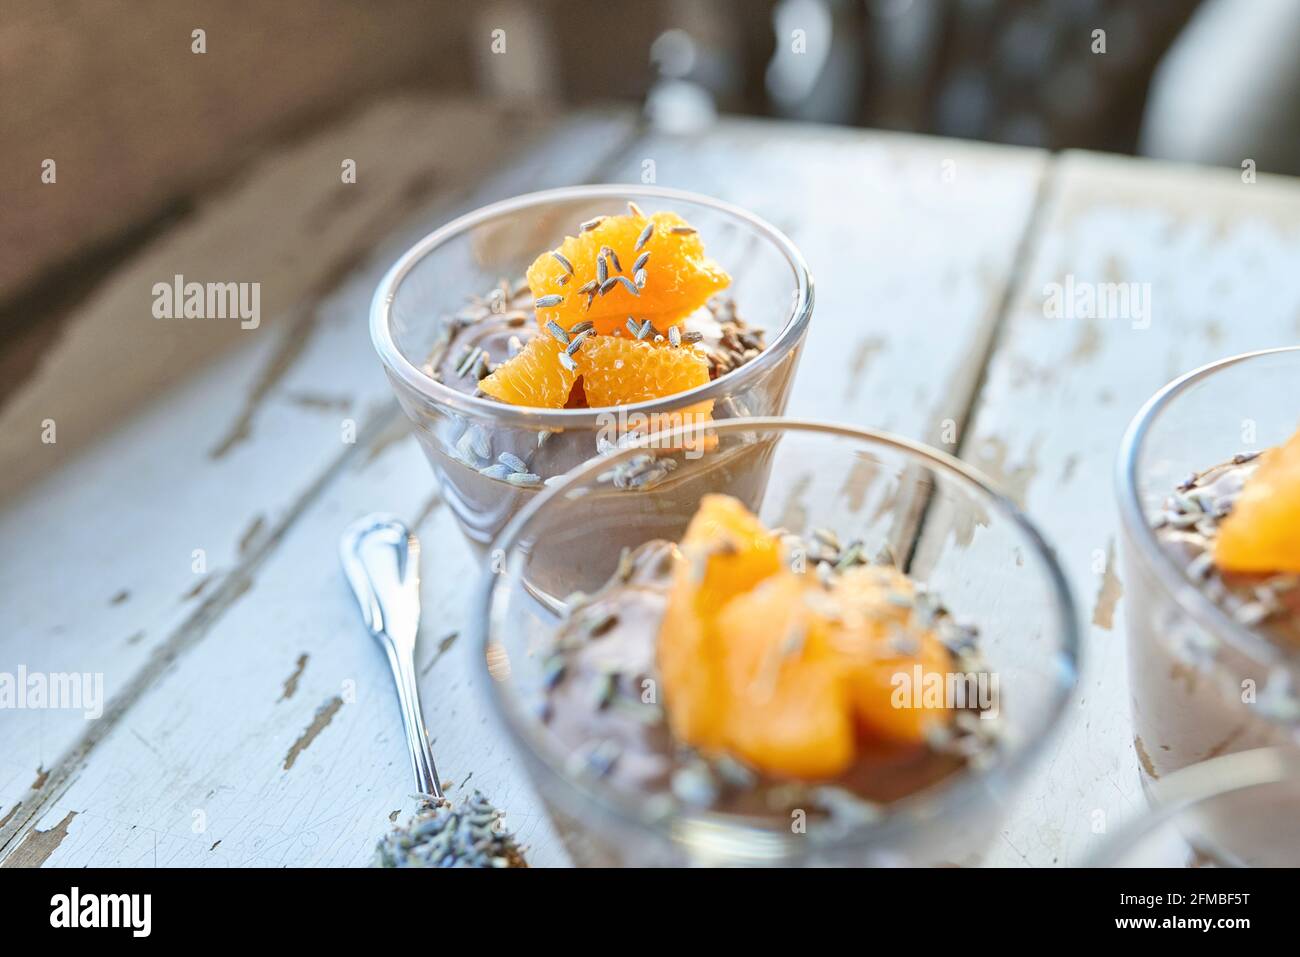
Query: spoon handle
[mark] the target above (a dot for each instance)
(381, 558)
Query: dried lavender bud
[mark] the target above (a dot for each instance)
(440, 835)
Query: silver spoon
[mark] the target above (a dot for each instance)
(381, 558)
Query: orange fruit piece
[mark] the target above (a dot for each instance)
(809, 673)
(795, 678)
(697, 711)
(679, 278)
(1262, 532)
(789, 711)
(733, 549)
(892, 701)
(533, 378)
(724, 552)
(619, 371)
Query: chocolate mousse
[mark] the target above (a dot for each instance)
(488, 473)
(1189, 527)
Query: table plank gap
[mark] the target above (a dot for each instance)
(976, 373)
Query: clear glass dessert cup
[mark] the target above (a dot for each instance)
(411, 324)
(952, 532)
(1201, 682)
(1236, 810)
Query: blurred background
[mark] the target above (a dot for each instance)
(143, 129)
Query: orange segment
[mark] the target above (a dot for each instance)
(618, 371)
(793, 677)
(734, 550)
(613, 371)
(679, 278)
(533, 378)
(698, 711)
(895, 702)
(725, 552)
(1262, 532)
(891, 699)
(789, 711)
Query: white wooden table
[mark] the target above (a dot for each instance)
(251, 722)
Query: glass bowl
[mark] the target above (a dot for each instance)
(973, 548)
(1236, 810)
(1201, 683)
(412, 320)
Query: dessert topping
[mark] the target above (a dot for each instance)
(678, 277)
(1261, 533)
(792, 673)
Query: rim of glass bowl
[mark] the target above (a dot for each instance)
(1174, 579)
(952, 792)
(791, 332)
(1192, 785)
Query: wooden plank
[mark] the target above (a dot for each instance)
(131, 511)
(223, 695)
(1218, 258)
